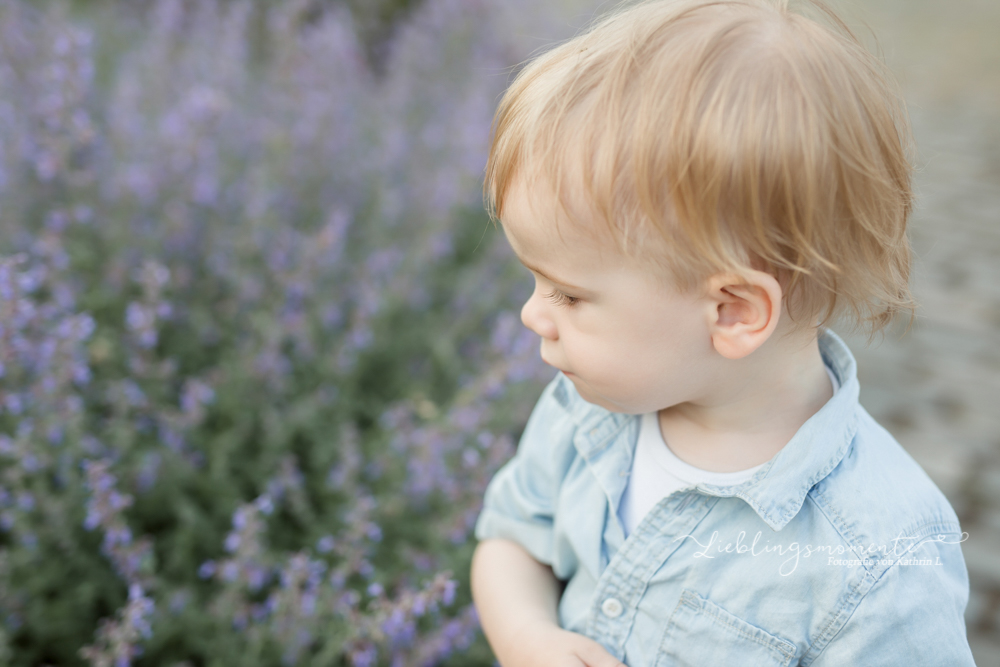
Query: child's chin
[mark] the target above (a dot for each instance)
(587, 394)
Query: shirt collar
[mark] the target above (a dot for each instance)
(776, 492)
(778, 489)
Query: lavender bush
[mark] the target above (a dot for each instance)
(259, 349)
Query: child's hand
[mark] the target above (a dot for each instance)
(551, 646)
(516, 598)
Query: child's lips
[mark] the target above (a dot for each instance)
(561, 370)
(549, 363)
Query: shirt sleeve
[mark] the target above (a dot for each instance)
(521, 498)
(912, 616)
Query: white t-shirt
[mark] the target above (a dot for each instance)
(657, 472)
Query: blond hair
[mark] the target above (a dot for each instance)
(719, 136)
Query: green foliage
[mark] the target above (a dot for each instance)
(259, 341)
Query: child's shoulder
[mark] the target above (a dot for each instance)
(878, 494)
(902, 571)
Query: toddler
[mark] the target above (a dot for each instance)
(698, 187)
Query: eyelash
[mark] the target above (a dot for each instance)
(560, 299)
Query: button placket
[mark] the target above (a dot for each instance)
(623, 581)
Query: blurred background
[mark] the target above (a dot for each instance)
(259, 344)
(936, 387)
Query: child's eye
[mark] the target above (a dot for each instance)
(560, 299)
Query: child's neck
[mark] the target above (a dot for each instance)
(753, 410)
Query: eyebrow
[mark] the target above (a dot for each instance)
(554, 281)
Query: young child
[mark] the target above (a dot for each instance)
(698, 187)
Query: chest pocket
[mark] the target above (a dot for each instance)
(702, 634)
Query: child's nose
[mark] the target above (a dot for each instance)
(534, 317)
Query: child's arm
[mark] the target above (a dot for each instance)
(517, 598)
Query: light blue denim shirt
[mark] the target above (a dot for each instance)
(839, 551)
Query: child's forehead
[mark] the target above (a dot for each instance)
(566, 241)
(537, 217)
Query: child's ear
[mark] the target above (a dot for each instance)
(745, 311)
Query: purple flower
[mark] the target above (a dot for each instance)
(325, 544)
(230, 571)
(256, 577)
(449, 592)
(264, 504)
(26, 502)
(364, 656)
(207, 569)
(232, 542)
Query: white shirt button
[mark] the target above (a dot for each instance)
(612, 608)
